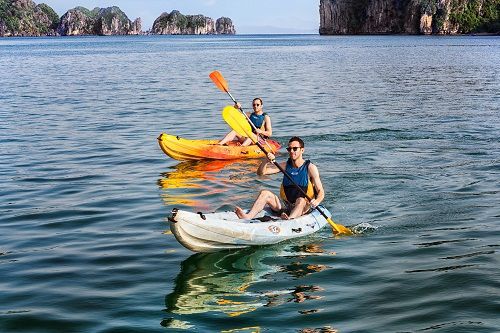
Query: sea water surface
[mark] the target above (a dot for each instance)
(405, 131)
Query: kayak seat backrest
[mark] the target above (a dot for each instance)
(266, 218)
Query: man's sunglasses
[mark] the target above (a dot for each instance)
(289, 149)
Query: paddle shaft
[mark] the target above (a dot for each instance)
(241, 109)
(251, 124)
(221, 83)
(293, 182)
(239, 124)
(249, 121)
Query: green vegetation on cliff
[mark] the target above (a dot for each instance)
(175, 18)
(86, 12)
(9, 16)
(469, 15)
(108, 14)
(184, 23)
(51, 14)
(25, 18)
(196, 21)
(476, 15)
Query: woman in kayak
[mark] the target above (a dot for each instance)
(303, 172)
(260, 120)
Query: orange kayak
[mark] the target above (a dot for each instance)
(185, 149)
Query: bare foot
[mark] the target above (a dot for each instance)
(240, 213)
(284, 216)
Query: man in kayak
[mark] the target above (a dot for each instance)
(303, 172)
(261, 121)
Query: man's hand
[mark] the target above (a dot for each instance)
(313, 203)
(271, 157)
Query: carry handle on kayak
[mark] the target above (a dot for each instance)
(221, 83)
(238, 123)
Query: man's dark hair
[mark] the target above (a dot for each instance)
(299, 140)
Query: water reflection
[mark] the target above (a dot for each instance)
(236, 284)
(194, 183)
(299, 294)
(219, 282)
(326, 329)
(297, 268)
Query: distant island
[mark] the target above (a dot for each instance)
(337, 17)
(438, 17)
(175, 23)
(25, 18)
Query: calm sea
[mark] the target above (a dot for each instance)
(405, 131)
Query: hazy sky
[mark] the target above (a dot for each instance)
(249, 16)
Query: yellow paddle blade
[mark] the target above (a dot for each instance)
(219, 81)
(238, 122)
(339, 228)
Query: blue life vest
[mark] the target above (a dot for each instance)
(289, 192)
(257, 120)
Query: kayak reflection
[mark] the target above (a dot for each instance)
(219, 282)
(192, 183)
(238, 283)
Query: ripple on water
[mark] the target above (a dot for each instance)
(405, 160)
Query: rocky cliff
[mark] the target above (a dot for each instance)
(224, 26)
(409, 16)
(112, 21)
(25, 18)
(99, 21)
(175, 23)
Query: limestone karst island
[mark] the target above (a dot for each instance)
(25, 18)
(337, 17)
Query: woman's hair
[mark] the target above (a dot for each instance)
(258, 98)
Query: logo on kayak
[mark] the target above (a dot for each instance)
(274, 229)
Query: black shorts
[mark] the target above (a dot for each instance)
(288, 209)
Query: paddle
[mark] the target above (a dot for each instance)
(221, 83)
(242, 127)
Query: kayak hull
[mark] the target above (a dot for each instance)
(214, 232)
(186, 149)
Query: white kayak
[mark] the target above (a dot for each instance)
(213, 232)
